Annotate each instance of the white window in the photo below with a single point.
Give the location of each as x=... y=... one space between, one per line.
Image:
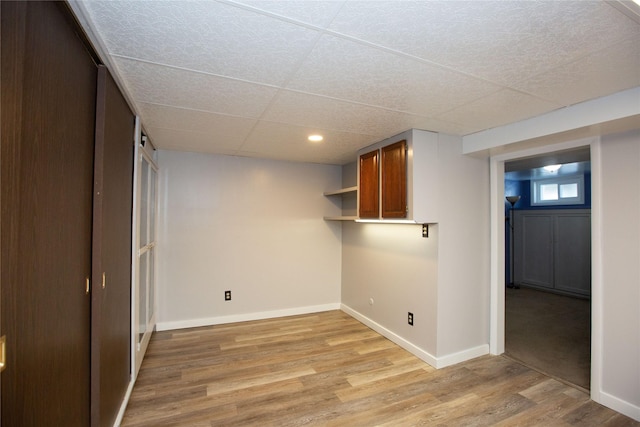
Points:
x=558 y=191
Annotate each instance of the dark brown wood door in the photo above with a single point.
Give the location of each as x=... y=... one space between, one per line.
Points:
x=394 y=180
x=369 y=185
x=113 y=202
x=48 y=113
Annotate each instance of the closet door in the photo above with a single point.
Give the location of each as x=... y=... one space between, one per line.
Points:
x=111 y=295
x=48 y=113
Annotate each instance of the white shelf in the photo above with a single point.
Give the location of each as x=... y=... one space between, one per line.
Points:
x=351 y=192
x=341 y=191
x=340 y=218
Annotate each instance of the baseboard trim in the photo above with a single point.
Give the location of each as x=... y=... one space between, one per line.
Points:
x=125 y=402
x=392 y=336
x=462 y=356
x=619 y=405
x=436 y=362
x=245 y=317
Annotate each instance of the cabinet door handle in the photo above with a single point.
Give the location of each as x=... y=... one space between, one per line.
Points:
x=3 y=352
x=87 y=286
x=104 y=280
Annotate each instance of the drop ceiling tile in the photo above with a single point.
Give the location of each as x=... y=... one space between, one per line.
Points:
x=165 y=117
x=205 y=36
x=501 y=41
x=291 y=142
x=302 y=157
x=327 y=113
x=317 y=13
x=378 y=78
x=500 y=108
x=607 y=71
x=184 y=140
x=180 y=88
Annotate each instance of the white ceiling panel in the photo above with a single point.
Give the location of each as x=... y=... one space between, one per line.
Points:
x=317 y=13
x=501 y=41
x=254 y=77
x=201 y=142
x=332 y=114
x=601 y=73
x=377 y=77
x=292 y=140
x=228 y=128
x=156 y=84
x=503 y=107
x=204 y=35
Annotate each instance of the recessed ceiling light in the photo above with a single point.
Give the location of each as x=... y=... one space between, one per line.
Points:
x=552 y=168
x=315 y=138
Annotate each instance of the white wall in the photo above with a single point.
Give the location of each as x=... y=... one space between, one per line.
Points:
x=443 y=280
x=398 y=268
x=615 y=361
x=463 y=252
x=620 y=165
x=251 y=226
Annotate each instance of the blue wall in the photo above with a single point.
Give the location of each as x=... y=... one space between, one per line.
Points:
x=523 y=189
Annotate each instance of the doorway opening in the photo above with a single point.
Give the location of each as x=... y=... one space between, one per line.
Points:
x=548 y=264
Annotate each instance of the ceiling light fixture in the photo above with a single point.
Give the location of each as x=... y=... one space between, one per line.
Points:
x=315 y=138
x=552 y=168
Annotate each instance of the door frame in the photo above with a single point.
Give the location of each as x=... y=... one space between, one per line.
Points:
x=497 y=270
x=139 y=347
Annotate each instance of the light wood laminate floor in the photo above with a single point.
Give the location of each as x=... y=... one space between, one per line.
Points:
x=327 y=369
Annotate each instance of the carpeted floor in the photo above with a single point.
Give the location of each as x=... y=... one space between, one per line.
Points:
x=550 y=333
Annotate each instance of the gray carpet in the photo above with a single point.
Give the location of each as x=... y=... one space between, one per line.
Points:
x=550 y=333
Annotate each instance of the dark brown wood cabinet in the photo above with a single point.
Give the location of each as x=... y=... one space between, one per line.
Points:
x=68 y=346
x=394 y=180
x=409 y=174
x=383 y=181
x=368 y=191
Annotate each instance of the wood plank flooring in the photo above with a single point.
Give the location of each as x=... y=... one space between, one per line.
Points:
x=327 y=369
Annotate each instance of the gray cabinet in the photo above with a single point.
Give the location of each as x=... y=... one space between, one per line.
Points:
x=552 y=250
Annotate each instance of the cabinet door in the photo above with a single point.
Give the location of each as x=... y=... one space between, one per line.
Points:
x=573 y=253
x=533 y=261
x=369 y=185
x=394 y=180
x=48 y=117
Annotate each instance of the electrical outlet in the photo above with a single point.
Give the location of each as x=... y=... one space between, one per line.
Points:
x=410 y=318
x=227 y=295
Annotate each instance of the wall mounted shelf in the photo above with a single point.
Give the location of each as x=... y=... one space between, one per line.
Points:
x=341 y=191
x=340 y=218
x=345 y=194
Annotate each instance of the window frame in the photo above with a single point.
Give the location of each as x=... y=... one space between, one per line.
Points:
x=573 y=179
